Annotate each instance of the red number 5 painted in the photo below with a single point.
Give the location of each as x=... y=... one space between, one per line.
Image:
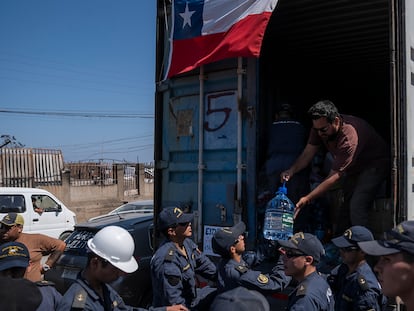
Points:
x=210 y=110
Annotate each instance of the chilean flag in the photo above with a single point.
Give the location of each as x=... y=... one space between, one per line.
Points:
x=206 y=31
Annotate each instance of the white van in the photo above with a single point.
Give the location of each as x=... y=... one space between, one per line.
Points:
x=41 y=210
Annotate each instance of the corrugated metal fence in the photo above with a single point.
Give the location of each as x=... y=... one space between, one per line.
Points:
x=28 y=167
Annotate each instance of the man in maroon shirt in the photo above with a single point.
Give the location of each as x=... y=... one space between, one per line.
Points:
x=360 y=161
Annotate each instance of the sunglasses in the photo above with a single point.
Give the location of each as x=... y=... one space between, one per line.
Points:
x=349 y=249
x=238 y=240
x=6 y=228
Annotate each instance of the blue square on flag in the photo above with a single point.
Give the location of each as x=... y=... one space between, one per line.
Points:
x=188 y=18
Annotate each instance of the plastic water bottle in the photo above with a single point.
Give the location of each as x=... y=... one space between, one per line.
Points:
x=278 y=218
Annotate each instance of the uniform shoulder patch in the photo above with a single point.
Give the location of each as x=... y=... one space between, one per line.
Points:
x=170 y=255
x=241 y=269
x=45 y=283
x=363 y=282
x=79 y=300
x=301 y=291
x=173 y=280
x=262 y=279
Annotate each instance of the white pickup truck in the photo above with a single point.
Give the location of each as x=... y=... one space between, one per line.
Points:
x=41 y=210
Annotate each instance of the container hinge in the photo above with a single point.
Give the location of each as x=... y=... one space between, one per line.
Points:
x=251 y=114
x=242 y=166
x=222 y=212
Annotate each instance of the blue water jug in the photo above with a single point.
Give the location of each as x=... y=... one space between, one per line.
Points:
x=278 y=218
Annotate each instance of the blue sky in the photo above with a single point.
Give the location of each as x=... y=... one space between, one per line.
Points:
x=91 y=58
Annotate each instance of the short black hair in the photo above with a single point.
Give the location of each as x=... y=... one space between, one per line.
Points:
x=323 y=108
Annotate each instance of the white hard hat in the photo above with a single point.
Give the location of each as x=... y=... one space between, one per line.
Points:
x=116 y=245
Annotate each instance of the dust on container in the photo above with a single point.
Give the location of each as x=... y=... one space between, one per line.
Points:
x=278 y=218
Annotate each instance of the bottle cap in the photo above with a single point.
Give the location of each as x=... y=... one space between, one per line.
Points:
x=283 y=188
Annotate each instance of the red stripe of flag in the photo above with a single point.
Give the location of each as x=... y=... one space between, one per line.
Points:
x=243 y=39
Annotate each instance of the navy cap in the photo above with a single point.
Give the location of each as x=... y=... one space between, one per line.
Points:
x=400 y=238
x=12 y=219
x=352 y=236
x=172 y=216
x=307 y=243
x=226 y=237
x=13 y=254
x=240 y=299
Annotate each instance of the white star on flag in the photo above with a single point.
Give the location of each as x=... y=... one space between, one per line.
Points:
x=187 y=16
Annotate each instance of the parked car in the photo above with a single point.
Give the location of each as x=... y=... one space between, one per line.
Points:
x=146 y=206
x=135 y=288
x=42 y=211
x=143 y=206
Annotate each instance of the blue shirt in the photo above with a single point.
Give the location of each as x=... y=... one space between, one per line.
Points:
x=80 y=296
x=359 y=290
x=312 y=294
x=50 y=296
x=232 y=274
x=174 y=274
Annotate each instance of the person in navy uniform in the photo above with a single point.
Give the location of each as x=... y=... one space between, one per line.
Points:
x=353 y=282
x=287 y=138
x=395 y=266
x=177 y=261
x=301 y=253
x=110 y=256
x=15 y=262
x=233 y=271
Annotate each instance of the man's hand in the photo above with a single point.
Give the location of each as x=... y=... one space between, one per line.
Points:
x=301 y=203
x=177 y=308
x=286 y=175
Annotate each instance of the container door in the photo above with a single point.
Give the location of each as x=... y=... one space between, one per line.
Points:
x=182 y=129
x=409 y=102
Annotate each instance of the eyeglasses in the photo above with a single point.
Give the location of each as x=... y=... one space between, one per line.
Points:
x=241 y=237
x=349 y=249
x=322 y=129
x=290 y=254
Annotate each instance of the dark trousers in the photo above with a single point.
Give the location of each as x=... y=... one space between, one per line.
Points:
x=360 y=191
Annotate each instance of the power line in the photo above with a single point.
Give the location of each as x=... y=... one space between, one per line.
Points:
x=81 y=114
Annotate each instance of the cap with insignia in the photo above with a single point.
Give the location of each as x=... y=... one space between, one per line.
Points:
x=400 y=238
x=307 y=243
x=226 y=237
x=171 y=216
x=13 y=254
x=12 y=219
x=352 y=236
